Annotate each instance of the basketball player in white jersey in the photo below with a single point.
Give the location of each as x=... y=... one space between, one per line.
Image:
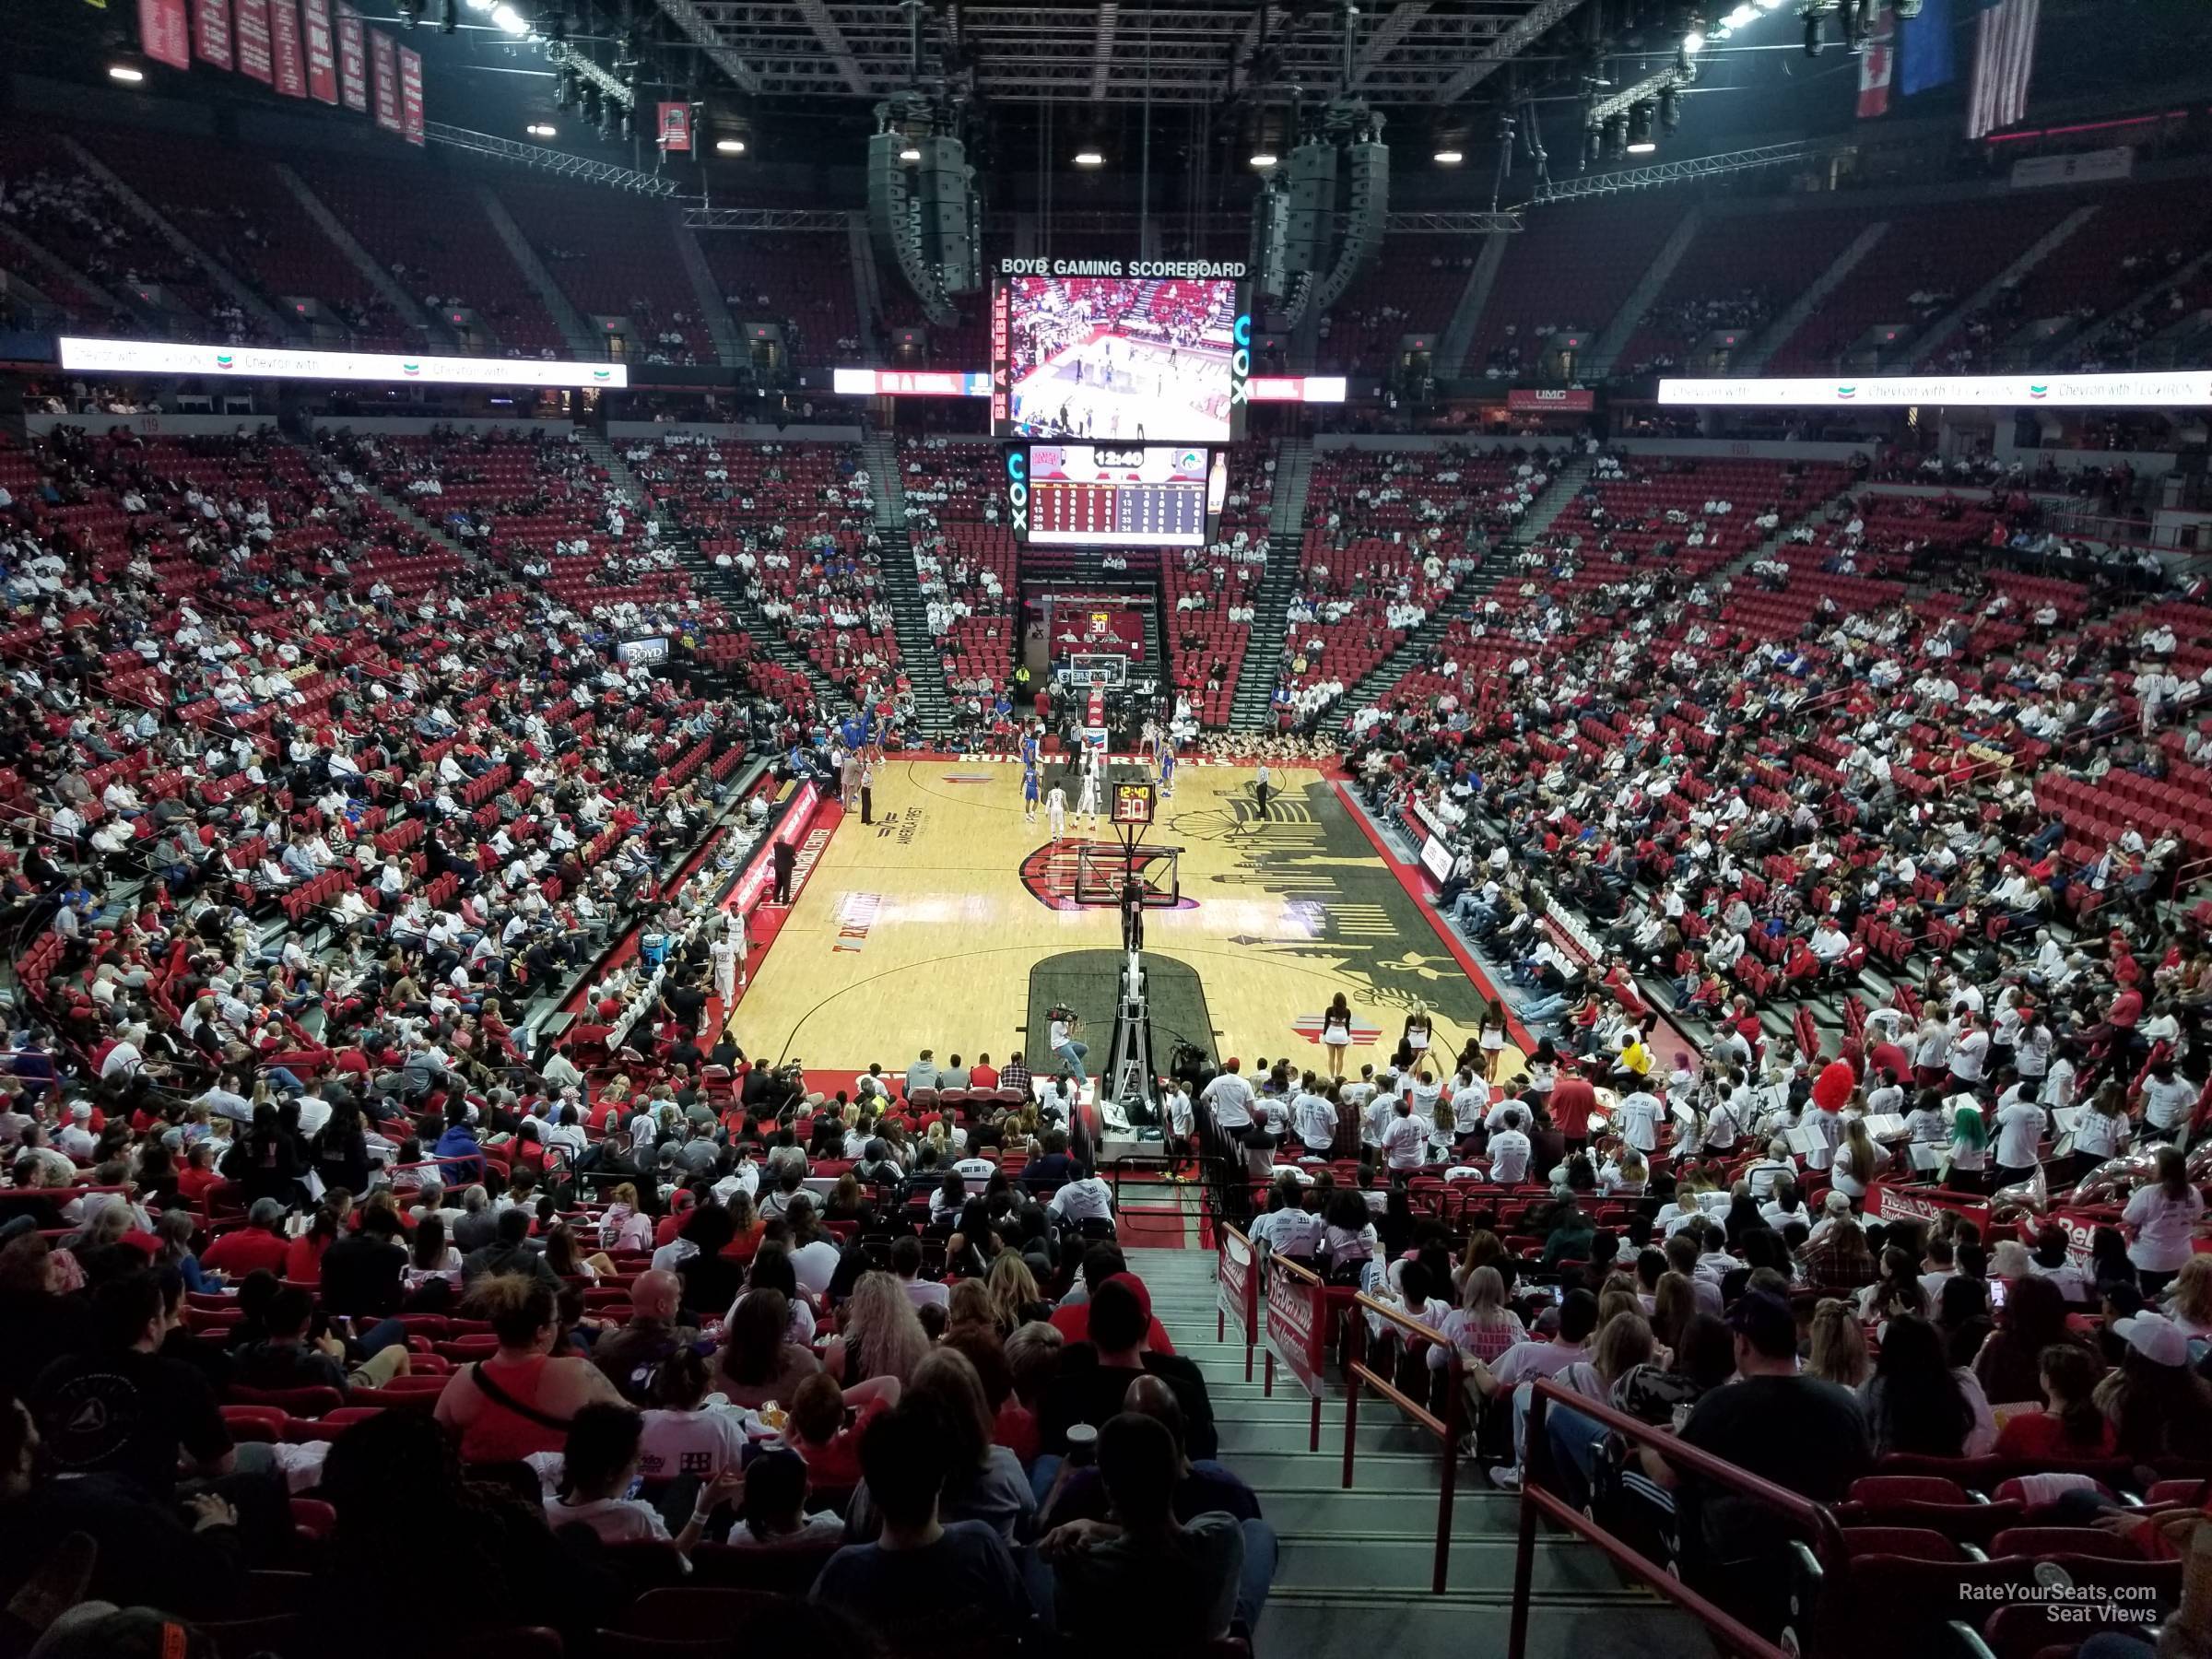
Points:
x=1087 y=802
x=722 y=954
x=1055 y=812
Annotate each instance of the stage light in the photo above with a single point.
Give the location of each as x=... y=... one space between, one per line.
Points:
x=1742 y=16
x=508 y=18
x=1617 y=135
x=1265 y=159
x=1694 y=42
x=1449 y=157
x=449 y=17
x=126 y=74
x=1089 y=158
x=730 y=147
x=910 y=153
x=538 y=129
x=1670 y=109
x=1640 y=129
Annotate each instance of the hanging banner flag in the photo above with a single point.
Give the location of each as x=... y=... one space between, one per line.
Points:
x=675 y=126
x=353 y=61
x=2004 y=59
x=384 y=65
x=255 y=55
x=283 y=48
x=165 y=33
x=211 y=32
x=1876 y=64
x=321 y=51
x=410 y=95
x=1925 y=41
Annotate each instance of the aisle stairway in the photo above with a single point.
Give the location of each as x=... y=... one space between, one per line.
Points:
x=1249 y=708
x=918 y=653
x=1353 y=1577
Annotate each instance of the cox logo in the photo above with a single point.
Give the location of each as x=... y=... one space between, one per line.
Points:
x=1017 y=489
x=1240 y=361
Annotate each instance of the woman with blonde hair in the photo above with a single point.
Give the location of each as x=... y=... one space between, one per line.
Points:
x=1014 y=1299
x=970 y=1306
x=933 y=1135
x=624 y=1227
x=1484 y=1250
x=1858 y=1160
x=1482 y=1326
x=2191 y=1297
x=1839 y=1348
x=881 y=1335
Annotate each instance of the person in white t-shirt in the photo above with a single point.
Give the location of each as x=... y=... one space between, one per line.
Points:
x=1405 y=1138
x=1969 y=1057
x=603 y=1455
x=680 y=1437
x=2166 y=1100
x=2160 y=1221
x=2020 y=1124
x=1637 y=1117
x=1089 y=1199
x=1510 y=1148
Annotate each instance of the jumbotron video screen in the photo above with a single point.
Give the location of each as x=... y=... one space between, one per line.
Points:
x=1135 y=359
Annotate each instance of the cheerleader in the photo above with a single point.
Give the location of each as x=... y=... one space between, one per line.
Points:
x=1337 y=1034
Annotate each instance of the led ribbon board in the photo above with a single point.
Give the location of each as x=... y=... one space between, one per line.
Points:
x=273 y=362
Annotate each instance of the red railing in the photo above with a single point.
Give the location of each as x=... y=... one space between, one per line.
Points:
x=1540 y=1498
x=1298 y=1334
x=1359 y=1377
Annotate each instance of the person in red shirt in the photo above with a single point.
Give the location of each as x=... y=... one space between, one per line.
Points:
x=1102 y=1263
x=983 y=1074
x=2071 y=1424
x=1573 y=1101
x=248 y=1249
x=821 y=1436
x=199 y=1173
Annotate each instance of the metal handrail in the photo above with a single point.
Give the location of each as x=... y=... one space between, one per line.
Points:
x=1359 y=1376
x=1540 y=1498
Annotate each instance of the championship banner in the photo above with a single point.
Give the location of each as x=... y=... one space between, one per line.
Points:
x=410 y=95
x=353 y=60
x=675 y=126
x=1538 y=400
x=165 y=33
x=211 y=32
x=250 y=18
x=284 y=49
x=384 y=65
x=321 y=51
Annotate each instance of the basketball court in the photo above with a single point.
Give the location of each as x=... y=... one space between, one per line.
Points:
x=951 y=923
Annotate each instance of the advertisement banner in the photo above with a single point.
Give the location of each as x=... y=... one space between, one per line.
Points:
x=675 y=126
x=384 y=72
x=1296 y=1323
x=1236 y=1293
x=1885 y=1201
x=250 y=20
x=2090 y=167
x=1296 y=388
x=273 y=362
x=2151 y=390
x=1538 y=400
x=410 y=95
x=353 y=61
x=165 y=33
x=290 y=63
x=211 y=32
x=321 y=51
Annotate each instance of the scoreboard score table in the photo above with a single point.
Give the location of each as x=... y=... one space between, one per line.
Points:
x=1087 y=495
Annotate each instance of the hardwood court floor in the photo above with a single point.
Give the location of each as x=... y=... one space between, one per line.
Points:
x=921 y=928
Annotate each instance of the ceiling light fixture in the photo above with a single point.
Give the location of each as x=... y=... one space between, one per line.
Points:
x=1265 y=157
x=1089 y=158
x=1449 y=157
x=126 y=74
x=730 y=147
x=909 y=154
x=538 y=129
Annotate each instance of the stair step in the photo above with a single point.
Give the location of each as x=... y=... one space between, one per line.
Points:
x=1353 y=1624
x=1328 y=1560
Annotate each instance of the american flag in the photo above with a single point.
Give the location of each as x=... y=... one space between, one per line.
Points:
x=2004 y=58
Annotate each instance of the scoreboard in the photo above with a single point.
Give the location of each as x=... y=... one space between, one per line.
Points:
x=1134 y=495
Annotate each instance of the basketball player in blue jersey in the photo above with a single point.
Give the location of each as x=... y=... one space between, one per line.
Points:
x=1028 y=794
x=1167 y=769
